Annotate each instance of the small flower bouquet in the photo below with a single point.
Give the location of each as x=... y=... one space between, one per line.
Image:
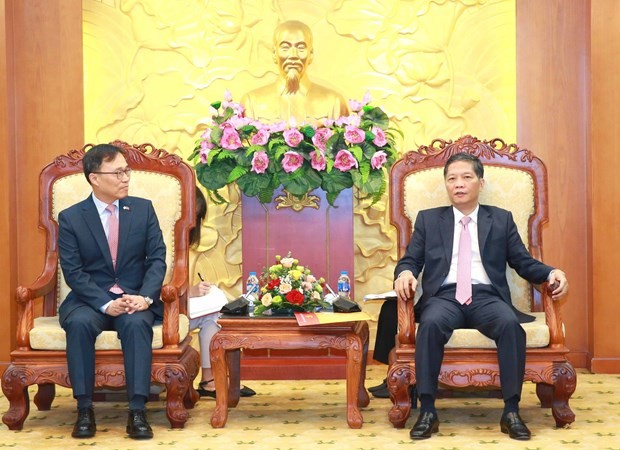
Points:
x=288 y=287
x=355 y=150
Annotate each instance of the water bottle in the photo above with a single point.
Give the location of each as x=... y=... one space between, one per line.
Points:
x=344 y=284
x=251 y=291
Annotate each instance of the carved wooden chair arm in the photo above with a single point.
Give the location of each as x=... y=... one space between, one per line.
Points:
x=553 y=317
x=25 y=296
x=171 y=295
x=406 y=323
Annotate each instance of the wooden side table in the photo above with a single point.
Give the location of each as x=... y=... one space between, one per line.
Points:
x=283 y=333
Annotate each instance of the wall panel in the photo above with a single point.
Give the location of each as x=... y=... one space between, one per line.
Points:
x=552 y=121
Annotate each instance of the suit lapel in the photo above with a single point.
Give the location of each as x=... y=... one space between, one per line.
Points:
x=125 y=221
x=93 y=222
x=484 y=226
x=446 y=231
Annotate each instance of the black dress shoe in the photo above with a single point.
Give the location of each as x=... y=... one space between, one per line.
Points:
x=204 y=392
x=137 y=426
x=85 y=426
x=512 y=424
x=381 y=392
x=425 y=426
x=383 y=385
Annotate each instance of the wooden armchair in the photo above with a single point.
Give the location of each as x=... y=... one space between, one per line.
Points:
x=40 y=354
x=515 y=180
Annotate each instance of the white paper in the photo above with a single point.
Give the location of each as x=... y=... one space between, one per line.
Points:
x=384 y=296
x=207 y=304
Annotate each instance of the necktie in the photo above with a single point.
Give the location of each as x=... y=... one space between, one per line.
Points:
x=463 y=268
x=113 y=242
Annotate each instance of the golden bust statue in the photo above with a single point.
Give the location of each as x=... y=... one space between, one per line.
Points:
x=293 y=94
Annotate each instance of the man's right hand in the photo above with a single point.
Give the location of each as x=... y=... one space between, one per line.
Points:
x=405 y=285
x=116 y=307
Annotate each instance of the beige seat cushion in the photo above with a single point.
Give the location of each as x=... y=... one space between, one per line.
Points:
x=537 y=335
x=48 y=335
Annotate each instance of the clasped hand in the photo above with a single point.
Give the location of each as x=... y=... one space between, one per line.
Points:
x=127 y=304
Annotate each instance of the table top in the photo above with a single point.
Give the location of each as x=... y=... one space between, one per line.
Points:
x=283 y=323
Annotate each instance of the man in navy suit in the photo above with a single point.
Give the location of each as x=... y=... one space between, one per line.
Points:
x=113 y=287
x=494 y=242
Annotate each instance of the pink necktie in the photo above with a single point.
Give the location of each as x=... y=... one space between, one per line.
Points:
x=113 y=242
x=463 y=268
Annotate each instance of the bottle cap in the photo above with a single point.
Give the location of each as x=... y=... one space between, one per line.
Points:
x=252 y=273
x=344 y=272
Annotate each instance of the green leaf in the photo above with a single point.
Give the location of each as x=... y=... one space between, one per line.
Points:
x=377 y=117
x=356 y=151
x=336 y=181
x=216 y=105
x=252 y=183
x=276 y=141
x=216 y=134
x=214 y=176
x=236 y=173
x=308 y=131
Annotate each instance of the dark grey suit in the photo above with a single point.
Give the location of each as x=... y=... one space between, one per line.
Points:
x=88 y=270
x=491 y=311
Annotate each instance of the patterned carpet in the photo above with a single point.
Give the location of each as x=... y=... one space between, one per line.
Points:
x=311 y=415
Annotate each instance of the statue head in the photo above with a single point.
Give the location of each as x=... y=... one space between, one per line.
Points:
x=292 y=52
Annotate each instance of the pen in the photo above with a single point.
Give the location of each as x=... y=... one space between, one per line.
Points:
x=200 y=276
x=330 y=290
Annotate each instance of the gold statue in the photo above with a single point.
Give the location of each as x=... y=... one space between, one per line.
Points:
x=293 y=94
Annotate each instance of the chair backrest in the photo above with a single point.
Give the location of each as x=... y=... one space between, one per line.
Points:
x=163 y=178
x=516 y=180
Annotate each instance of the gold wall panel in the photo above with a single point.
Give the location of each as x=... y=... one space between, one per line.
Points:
x=439 y=68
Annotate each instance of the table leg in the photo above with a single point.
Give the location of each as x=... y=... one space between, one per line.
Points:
x=233 y=359
x=363 y=399
x=355 y=357
x=220 y=377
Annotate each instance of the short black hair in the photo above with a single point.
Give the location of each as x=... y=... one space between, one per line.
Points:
x=96 y=156
x=467 y=157
x=201 y=212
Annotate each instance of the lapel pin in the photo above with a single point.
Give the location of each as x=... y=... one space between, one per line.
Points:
x=126 y=208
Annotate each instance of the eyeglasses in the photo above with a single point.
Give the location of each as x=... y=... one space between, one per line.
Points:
x=119 y=173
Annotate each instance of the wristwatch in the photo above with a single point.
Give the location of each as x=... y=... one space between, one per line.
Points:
x=148 y=300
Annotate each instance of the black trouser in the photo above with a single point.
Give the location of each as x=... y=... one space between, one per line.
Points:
x=442 y=314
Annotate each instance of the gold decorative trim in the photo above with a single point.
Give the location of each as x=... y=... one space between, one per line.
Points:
x=297 y=203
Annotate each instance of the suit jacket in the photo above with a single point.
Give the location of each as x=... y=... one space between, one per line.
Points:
x=431 y=245
x=87 y=263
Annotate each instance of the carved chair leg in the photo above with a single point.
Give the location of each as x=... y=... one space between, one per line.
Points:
x=177 y=385
x=45 y=396
x=398 y=380
x=15 y=389
x=565 y=381
x=544 y=392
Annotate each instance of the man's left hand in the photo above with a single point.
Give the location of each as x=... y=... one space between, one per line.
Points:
x=558 y=279
x=134 y=303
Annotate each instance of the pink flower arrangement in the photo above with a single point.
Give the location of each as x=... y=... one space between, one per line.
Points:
x=351 y=151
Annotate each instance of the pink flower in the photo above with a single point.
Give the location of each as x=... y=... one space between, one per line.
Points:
x=206 y=144
x=293 y=137
x=261 y=137
x=206 y=134
x=354 y=135
x=230 y=139
x=287 y=262
x=378 y=159
x=345 y=161
x=204 y=155
x=321 y=136
x=355 y=105
x=379 y=139
x=277 y=127
x=260 y=162
x=317 y=160
x=292 y=161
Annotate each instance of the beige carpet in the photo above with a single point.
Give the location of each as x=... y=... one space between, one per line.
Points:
x=311 y=415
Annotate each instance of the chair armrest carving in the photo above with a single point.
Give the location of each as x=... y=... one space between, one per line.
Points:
x=406 y=323
x=25 y=296
x=553 y=318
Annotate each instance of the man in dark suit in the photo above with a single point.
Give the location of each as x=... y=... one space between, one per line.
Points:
x=112 y=256
x=490 y=240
